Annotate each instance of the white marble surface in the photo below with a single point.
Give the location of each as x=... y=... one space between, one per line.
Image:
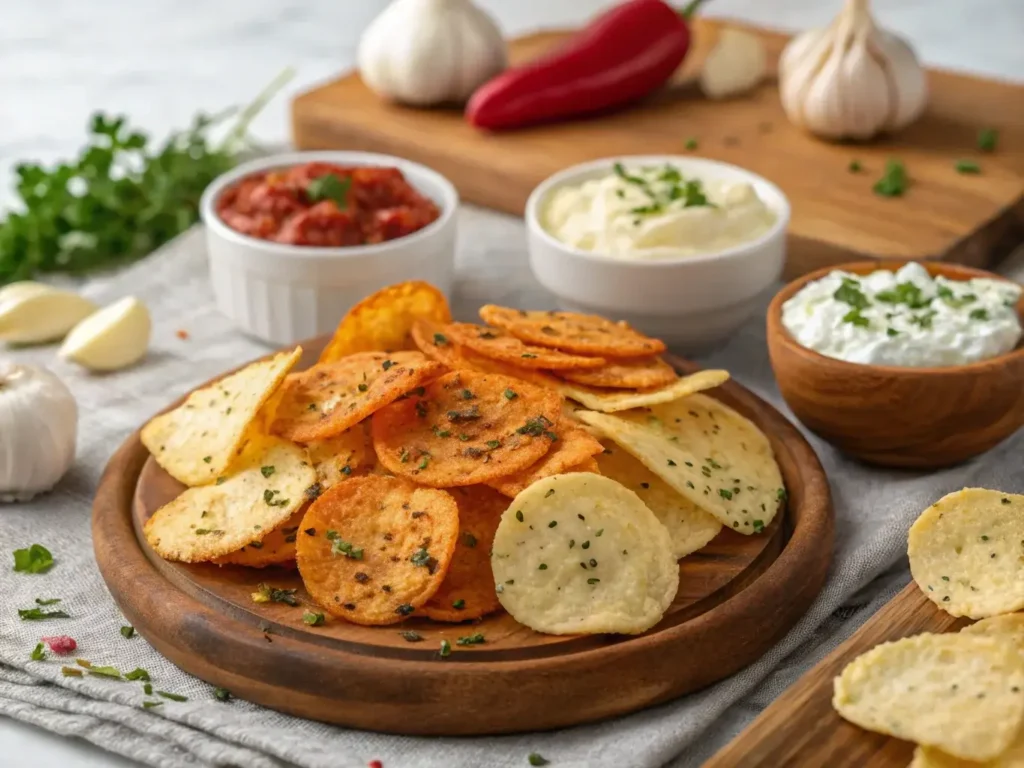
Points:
x=160 y=61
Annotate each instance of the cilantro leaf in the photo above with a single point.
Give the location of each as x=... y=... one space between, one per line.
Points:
x=894 y=181
x=330 y=186
x=34 y=559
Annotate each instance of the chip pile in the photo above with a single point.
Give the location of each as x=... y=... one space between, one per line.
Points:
x=958 y=696
x=549 y=464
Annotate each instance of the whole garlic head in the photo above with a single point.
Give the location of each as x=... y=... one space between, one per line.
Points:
x=425 y=52
x=38 y=428
x=852 y=79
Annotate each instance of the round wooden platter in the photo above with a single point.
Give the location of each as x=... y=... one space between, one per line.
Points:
x=736 y=598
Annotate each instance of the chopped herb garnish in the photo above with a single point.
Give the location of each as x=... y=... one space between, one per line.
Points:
x=855 y=166
x=362 y=387
x=49 y=601
x=441 y=432
x=725 y=493
x=552 y=524
x=967 y=166
x=314 y=491
x=411 y=637
x=854 y=317
x=421 y=557
x=593 y=581
x=894 y=181
x=1004 y=500
x=34 y=559
x=671 y=463
x=510 y=394
x=424 y=461
x=849 y=293
x=550 y=493
x=528 y=356
x=268 y=594
x=313 y=618
x=38 y=654
x=987 y=139
x=536 y=759
x=222 y=694
x=387 y=364
x=758 y=526
x=891 y=332
x=470 y=414
x=905 y=293
x=70 y=672
x=440 y=339
x=207 y=459
x=36 y=614
x=446 y=649
x=329 y=186
x=152 y=704
x=137 y=674
x=620 y=171
x=492 y=444
x=691 y=144
x=979 y=314
x=128 y=632
x=542 y=567
x=267 y=471
x=459 y=604
x=476 y=639
x=404 y=609
x=171 y=696
x=519 y=515
x=469 y=539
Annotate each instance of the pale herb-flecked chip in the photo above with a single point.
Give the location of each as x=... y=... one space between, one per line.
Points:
x=958 y=693
x=966 y=552
x=579 y=553
x=927 y=757
x=212 y=520
x=197 y=441
x=613 y=401
x=708 y=452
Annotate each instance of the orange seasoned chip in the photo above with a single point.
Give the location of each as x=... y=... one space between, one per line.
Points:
x=382 y=321
x=466 y=428
x=590 y=465
x=467 y=592
x=328 y=398
x=572 y=332
x=574 y=446
x=374 y=549
x=431 y=340
x=337 y=458
x=276 y=548
x=497 y=344
x=626 y=373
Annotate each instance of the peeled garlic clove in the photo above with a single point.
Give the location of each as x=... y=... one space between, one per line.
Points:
x=114 y=337
x=35 y=316
x=16 y=291
x=735 y=65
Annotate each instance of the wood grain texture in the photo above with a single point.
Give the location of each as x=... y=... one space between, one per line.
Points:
x=737 y=598
x=801 y=728
x=899 y=417
x=975 y=220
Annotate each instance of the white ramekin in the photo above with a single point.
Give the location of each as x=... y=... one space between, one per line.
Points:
x=692 y=302
x=286 y=293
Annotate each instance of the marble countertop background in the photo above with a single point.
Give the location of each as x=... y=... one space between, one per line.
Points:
x=161 y=61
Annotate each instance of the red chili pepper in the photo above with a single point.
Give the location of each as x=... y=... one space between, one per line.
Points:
x=621 y=56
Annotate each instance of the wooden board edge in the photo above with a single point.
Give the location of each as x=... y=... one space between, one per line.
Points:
x=801 y=728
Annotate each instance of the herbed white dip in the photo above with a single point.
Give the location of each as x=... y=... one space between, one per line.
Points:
x=905 y=318
x=653 y=212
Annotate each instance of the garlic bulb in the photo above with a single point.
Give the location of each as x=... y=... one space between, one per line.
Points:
x=38 y=427
x=425 y=52
x=735 y=65
x=32 y=313
x=852 y=79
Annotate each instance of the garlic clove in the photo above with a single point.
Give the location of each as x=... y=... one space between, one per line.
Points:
x=16 y=291
x=735 y=65
x=36 y=316
x=861 y=74
x=112 y=338
x=813 y=48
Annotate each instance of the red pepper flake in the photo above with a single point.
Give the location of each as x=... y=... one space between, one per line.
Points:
x=375 y=764
x=60 y=643
x=182 y=334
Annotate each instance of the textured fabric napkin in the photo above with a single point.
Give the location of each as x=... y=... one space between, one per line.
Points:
x=874 y=509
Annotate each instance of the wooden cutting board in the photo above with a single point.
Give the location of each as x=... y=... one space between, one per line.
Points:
x=974 y=220
x=737 y=598
x=801 y=728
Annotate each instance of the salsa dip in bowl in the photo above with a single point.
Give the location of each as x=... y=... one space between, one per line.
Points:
x=296 y=239
x=679 y=247
x=902 y=364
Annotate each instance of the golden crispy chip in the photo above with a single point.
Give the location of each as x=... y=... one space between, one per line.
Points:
x=381 y=322
x=590 y=465
x=965 y=552
x=1009 y=626
x=613 y=401
x=574 y=446
x=627 y=373
x=497 y=344
x=327 y=399
x=572 y=332
x=374 y=549
x=578 y=553
x=709 y=453
x=266 y=487
x=689 y=527
x=958 y=693
x=337 y=458
x=467 y=592
x=197 y=441
x=433 y=342
x=276 y=548
x=466 y=428
x=927 y=757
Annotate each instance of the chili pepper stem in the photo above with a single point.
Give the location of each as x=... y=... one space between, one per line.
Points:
x=690 y=8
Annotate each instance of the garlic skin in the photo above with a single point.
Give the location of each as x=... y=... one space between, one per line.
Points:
x=428 y=52
x=38 y=429
x=736 y=64
x=852 y=79
x=36 y=314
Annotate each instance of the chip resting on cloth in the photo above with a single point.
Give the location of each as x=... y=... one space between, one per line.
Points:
x=961 y=694
x=613 y=401
x=374 y=549
x=467 y=591
x=578 y=553
x=572 y=332
x=966 y=552
x=707 y=452
x=689 y=527
x=327 y=399
x=466 y=428
x=383 y=320
x=570 y=451
x=197 y=441
x=266 y=486
x=497 y=344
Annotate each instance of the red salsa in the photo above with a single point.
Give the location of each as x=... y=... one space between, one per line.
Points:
x=323 y=204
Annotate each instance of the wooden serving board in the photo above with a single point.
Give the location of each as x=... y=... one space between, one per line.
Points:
x=737 y=597
x=801 y=728
x=974 y=220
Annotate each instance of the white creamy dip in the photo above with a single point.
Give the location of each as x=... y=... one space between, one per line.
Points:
x=653 y=212
x=905 y=318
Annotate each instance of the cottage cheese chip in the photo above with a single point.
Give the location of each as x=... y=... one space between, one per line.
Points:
x=579 y=553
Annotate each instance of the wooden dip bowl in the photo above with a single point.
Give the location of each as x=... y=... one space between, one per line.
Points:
x=895 y=416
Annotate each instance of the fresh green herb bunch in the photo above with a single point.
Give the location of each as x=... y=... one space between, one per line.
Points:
x=121 y=199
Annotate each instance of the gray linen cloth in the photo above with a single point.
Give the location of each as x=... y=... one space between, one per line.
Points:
x=874 y=508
